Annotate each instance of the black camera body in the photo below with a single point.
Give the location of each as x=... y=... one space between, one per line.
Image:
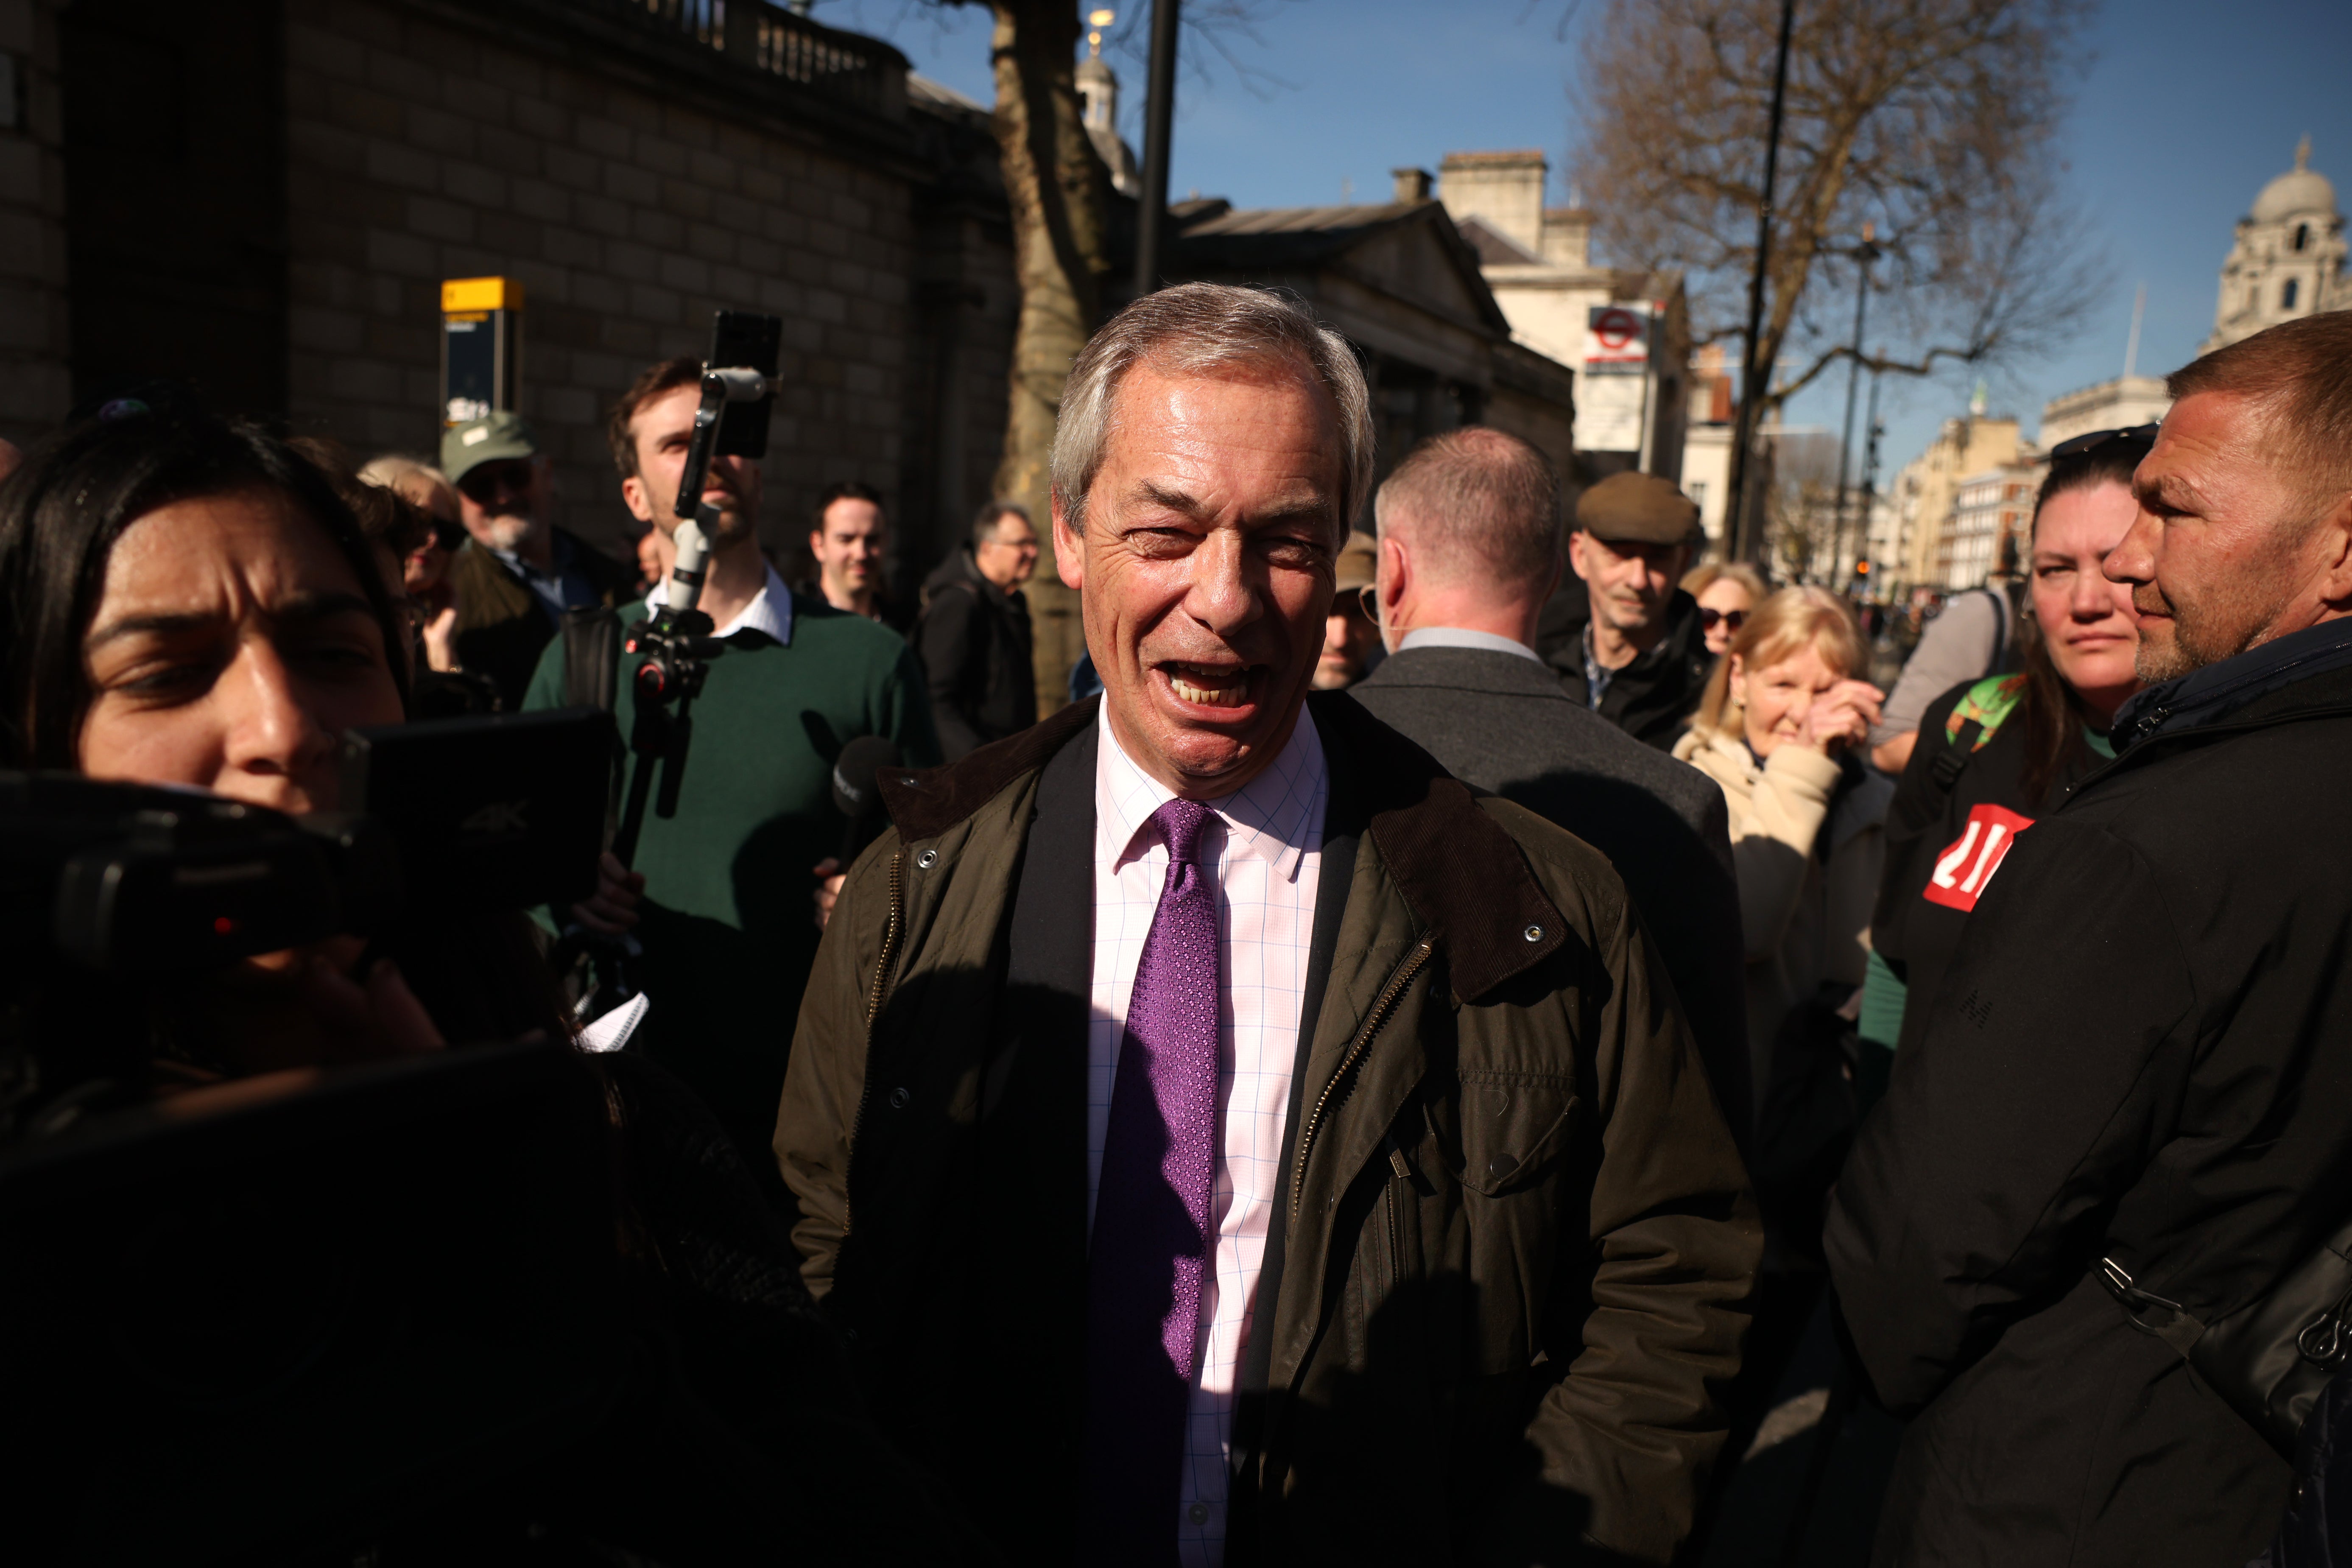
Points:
x=116 y=898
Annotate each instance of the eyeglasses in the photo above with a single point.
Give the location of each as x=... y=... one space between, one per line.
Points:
x=2143 y=434
x=1709 y=619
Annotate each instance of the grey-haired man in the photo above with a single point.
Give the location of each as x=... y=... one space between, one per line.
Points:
x=1227 y=1138
x=518 y=573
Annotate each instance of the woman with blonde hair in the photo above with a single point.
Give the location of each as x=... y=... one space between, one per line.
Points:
x=1779 y=731
x=1728 y=593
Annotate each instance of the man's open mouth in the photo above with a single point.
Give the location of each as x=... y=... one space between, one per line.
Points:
x=1209 y=685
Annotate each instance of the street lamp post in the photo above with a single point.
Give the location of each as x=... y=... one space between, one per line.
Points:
x=1755 y=371
x=1863 y=254
x=1158 y=111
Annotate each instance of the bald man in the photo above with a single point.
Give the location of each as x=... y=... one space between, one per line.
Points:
x=1468 y=554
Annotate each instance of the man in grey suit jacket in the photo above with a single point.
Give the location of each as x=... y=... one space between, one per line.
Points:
x=1469 y=552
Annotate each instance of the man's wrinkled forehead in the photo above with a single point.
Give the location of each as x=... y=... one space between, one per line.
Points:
x=1187 y=414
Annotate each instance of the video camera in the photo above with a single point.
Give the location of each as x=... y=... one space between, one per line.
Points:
x=114 y=896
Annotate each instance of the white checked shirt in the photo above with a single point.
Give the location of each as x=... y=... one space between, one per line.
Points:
x=1265 y=842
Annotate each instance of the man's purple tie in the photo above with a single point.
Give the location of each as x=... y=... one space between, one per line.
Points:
x=1151 y=1237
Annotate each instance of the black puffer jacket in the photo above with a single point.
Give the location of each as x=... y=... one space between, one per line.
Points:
x=2142 y=1050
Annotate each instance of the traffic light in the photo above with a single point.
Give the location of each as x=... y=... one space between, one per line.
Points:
x=1862 y=568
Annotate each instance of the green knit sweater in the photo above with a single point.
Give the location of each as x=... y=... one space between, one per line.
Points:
x=728 y=928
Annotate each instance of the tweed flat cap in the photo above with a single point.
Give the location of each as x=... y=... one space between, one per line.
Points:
x=1637 y=508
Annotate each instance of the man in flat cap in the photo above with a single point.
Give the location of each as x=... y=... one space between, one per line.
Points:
x=1351 y=643
x=1629 y=645
x=518 y=573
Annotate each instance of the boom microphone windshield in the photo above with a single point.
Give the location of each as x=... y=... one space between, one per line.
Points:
x=855 y=795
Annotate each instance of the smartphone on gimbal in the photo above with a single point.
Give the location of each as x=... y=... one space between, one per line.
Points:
x=741 y=339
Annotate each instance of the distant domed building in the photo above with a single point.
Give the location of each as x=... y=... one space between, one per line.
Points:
x=2289 y=257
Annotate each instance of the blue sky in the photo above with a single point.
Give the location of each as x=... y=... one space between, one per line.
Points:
x=2183 y=110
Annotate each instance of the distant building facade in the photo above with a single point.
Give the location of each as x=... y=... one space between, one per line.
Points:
x=1400 y=283
x=2116 y=405
x=1991 y=515
x=1625 y=332
x=1921 y=542
x=2288 y=260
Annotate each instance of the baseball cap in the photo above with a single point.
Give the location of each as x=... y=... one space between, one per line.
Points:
x=1637 y=508
x=491 y=439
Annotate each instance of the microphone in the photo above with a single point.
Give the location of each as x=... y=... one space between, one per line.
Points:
x=856 y=794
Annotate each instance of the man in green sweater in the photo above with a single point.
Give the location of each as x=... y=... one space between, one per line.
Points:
x=721 y=896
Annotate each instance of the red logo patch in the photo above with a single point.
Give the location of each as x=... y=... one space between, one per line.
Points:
x=1964 y=868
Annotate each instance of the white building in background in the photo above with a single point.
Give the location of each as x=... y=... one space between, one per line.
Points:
x=1707 y=443
x=2288 y=260
x=1625 y=332
x=2116 y=405
x=1098 y=110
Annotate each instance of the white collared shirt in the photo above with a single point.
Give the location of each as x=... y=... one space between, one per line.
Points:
x=1462 y=637
x=1266 y=844
x=771 y=612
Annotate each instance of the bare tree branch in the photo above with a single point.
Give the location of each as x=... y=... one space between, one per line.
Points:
x=1933 y=119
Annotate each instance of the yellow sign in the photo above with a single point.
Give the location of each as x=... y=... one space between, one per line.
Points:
x=480 y=294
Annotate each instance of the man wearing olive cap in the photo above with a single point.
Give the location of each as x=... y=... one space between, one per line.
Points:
x=518 y=573
x=1351 y=643
x=1626 y=642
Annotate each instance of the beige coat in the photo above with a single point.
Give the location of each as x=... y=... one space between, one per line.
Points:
x=1805 y=919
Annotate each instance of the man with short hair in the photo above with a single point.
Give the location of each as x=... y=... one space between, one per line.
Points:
x=1223 y=1136
x=973 y=637
x=519 y=573
x=850 y=545
x=719 y=899
x=1468 y=555
x=1626 y=641
x=2131 y=1114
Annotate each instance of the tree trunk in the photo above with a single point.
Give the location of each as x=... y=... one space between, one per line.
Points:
x=1059 y=194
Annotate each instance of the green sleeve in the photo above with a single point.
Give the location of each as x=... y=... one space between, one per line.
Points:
x=547 y=681
x=907 y=703
x=1883 y=997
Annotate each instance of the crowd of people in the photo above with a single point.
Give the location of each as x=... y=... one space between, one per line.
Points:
x=1394 y=1075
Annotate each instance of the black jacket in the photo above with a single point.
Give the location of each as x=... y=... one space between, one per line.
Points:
x=502 y=626
x=1650 y=698
x=973 y=640
x=2142 y=1050
x=1502 y=723
x=1953 y=820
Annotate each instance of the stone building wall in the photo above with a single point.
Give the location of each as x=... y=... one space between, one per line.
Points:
x=427 y=143
x=632 y=177
x=35 y=381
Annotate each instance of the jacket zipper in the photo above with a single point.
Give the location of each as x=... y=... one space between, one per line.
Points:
x=1405 y=971
x=874 y=1010
x=1396 y=1213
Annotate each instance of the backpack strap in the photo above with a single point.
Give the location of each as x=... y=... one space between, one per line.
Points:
x=1975 y=718
x=592 y=658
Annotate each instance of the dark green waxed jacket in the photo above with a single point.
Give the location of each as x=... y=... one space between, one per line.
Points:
x=1511 y=1260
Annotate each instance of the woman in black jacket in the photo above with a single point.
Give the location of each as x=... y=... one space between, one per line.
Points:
x=1995 y=754
x=192 y=604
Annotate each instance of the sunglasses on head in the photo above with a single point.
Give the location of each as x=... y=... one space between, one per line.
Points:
x=1709 y=619
x=2143 y=434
